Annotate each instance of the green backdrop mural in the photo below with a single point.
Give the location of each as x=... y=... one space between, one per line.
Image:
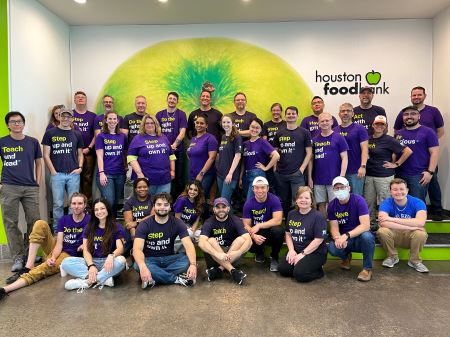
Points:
x=184 y=65
x=4 y=91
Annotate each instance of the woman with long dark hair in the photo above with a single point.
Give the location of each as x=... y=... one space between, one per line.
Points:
x=102 y=251
x=228 y=159
x=189 y=207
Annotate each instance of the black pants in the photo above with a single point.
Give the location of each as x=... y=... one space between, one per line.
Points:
x=274 y=238
x=307 y=269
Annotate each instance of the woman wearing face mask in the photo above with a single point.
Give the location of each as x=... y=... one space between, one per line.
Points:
x=259 y=156
x=306 y=229
x=111 y=146
x=385 y=155
x=228 y=159
x=102 y=251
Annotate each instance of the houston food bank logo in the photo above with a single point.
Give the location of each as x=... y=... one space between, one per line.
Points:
x=350 y=84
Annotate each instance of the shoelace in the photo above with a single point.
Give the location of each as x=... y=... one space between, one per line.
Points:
x=83 y=288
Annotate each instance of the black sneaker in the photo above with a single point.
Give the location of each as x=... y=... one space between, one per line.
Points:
x=3 y=293
x=183 y=280
x=238 y=275
x=16 y=276
x=213 y=273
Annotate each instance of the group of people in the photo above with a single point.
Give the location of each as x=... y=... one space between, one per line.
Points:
x=231 y=156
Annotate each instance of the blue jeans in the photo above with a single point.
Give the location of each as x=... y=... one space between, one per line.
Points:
x=249 y=176
x=364 y=243
x=156 y=189
x=415 y=188
x=288 y=185
x=113 y=191
x=356 y=183
x=62 y=182
x=164 y=269
x=434 y=193
x=226 y=190
x=77 y=267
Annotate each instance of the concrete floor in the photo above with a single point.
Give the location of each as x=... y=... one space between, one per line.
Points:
x=397 y=302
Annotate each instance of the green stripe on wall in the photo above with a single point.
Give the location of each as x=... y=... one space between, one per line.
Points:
x=4 y=82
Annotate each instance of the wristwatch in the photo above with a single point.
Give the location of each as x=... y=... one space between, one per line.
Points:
x=430 y=172
x=348 y=235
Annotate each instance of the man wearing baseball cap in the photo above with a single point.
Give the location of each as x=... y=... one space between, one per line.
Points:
x=366 y=112
x=262 y=216
x=224 y=240
x=350 y=228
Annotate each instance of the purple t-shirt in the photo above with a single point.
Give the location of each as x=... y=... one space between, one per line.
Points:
x=159 y=238
x=311 y=123
x=365 y=117
x=327 y=157
x=86 y=124
x=153 y=154
x=291 y=145
x=225 y=156
x=72 y=233
x=257 y=151
x=429 y=116
x=98 y=238
x=259 y=212
x=132 y=123
x=419 y=140
x=225 y=232
x=139 y=209
x=64 y=145
x=304 y=228
x=171 y=123
x=354 y=135
x=197 y=152
x=100 y=119
x=270 y=128
x=114 y=147
x=52 y=126
x=188 y=213
x=347 y=215
x=18 y=157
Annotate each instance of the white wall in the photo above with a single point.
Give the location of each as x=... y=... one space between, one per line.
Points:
x=441 y=97
x=39 y=66
x=327 y=46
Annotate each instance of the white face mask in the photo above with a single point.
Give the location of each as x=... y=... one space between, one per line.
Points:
x=342 y=194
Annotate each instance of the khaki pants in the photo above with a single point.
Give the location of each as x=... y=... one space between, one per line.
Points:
x=392 y=238
x=42 y=235
x=376 y=189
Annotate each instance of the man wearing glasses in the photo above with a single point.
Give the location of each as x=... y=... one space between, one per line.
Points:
x=350 y=228
x=22 y=171
x=64 y=159
x=419 y=168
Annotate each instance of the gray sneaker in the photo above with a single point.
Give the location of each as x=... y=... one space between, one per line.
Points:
x=390 y=261
x=18 y=265
x=273 y=265
x=419 y=266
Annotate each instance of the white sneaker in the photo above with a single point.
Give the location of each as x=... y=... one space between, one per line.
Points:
x=62 y=271
x=419 y=266
x=390 y=261
x=77 y=283
x=109 y=283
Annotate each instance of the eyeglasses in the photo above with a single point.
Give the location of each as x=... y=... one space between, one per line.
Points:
x=17 y=122
x=346 y=110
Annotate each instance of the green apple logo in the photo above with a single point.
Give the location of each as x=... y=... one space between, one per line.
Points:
x=184 y=65
x=373 y=77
